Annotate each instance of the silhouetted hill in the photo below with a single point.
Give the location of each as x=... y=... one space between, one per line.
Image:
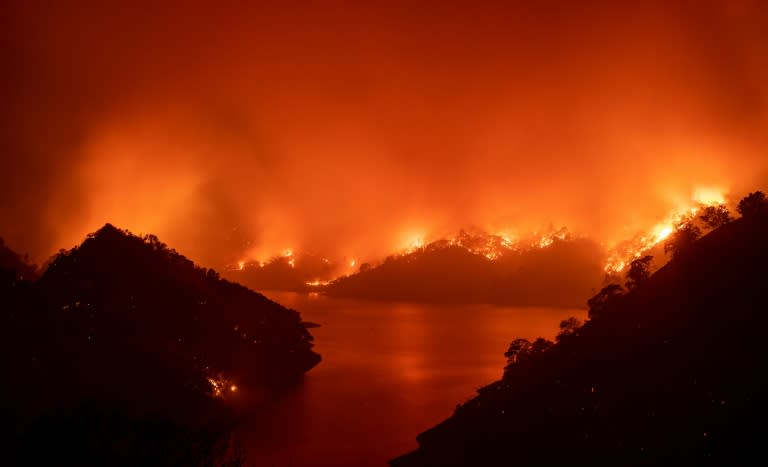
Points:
x=289 y=273
x=564 y=273
x=122 y=351
x=672 y=373
x=13 y=267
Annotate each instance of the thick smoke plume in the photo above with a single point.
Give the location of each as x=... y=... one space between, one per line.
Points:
x=350 y=128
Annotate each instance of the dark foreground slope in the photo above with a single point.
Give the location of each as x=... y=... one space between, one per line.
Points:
x=13 y=267
x=564 y=273
x=673 y=373
x=124 y=352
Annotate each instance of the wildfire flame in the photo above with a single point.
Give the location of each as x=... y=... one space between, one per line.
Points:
x=414 y=242
x=495 y=246
x=620 y=257
x=317 y=283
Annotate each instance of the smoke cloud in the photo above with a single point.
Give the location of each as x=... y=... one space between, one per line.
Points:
x=349 y=128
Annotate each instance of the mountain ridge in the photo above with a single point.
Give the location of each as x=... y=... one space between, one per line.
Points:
x=668 y=373
x=142 y=353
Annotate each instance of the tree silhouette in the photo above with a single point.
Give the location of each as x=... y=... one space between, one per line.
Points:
x=753 y=203
x=604 y=300
x=523 y=351
x=639 y=271
x=540 y=345
x=715 y=216
x=517 y=348
x=681 y=240
x=642 y=384
x=568 y=327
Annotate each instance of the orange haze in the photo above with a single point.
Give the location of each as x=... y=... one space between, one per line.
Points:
x=352 y=129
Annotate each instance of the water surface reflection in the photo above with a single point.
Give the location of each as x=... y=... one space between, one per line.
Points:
x=389 y=371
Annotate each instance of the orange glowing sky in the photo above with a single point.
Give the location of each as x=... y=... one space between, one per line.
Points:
x=353 y=128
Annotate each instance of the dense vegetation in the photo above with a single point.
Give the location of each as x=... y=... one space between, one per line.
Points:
x=668 y=372
x=563 y=273
x=124 y=352
x=289 y=273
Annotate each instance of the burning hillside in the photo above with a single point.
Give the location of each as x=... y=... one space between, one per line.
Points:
x=475 y=265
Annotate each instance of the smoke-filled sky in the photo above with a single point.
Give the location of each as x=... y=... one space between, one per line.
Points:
x=346 y=128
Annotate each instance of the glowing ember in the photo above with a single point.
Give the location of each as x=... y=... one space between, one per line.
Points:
x=217 y=386
x=545 y=242
x=220 y=386
x=507 y=241
x=317 y=283
x=240 y=265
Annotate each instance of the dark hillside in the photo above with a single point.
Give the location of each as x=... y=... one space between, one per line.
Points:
x=562 y=274
x=672 y=373
x=125 y=350
x=13 y=267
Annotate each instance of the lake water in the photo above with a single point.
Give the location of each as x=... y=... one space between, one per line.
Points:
x=389 y=372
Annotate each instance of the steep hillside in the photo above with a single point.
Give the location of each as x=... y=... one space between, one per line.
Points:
x=672 y=373
x=122 y=333
x=13 y=267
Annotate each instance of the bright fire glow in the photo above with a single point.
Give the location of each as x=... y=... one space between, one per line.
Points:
x=620 y=257
x=507 y=240
x=664 y=232
x=414 y=242
x=709 y=196
x=248 y=162
x=495 y=246
x=317 y=283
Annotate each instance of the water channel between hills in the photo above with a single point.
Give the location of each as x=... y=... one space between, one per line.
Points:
x=389 y=371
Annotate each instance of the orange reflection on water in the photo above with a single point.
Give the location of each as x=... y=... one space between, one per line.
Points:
x=390 y=370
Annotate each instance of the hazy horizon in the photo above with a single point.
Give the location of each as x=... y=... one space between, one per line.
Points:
x=349 y=130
